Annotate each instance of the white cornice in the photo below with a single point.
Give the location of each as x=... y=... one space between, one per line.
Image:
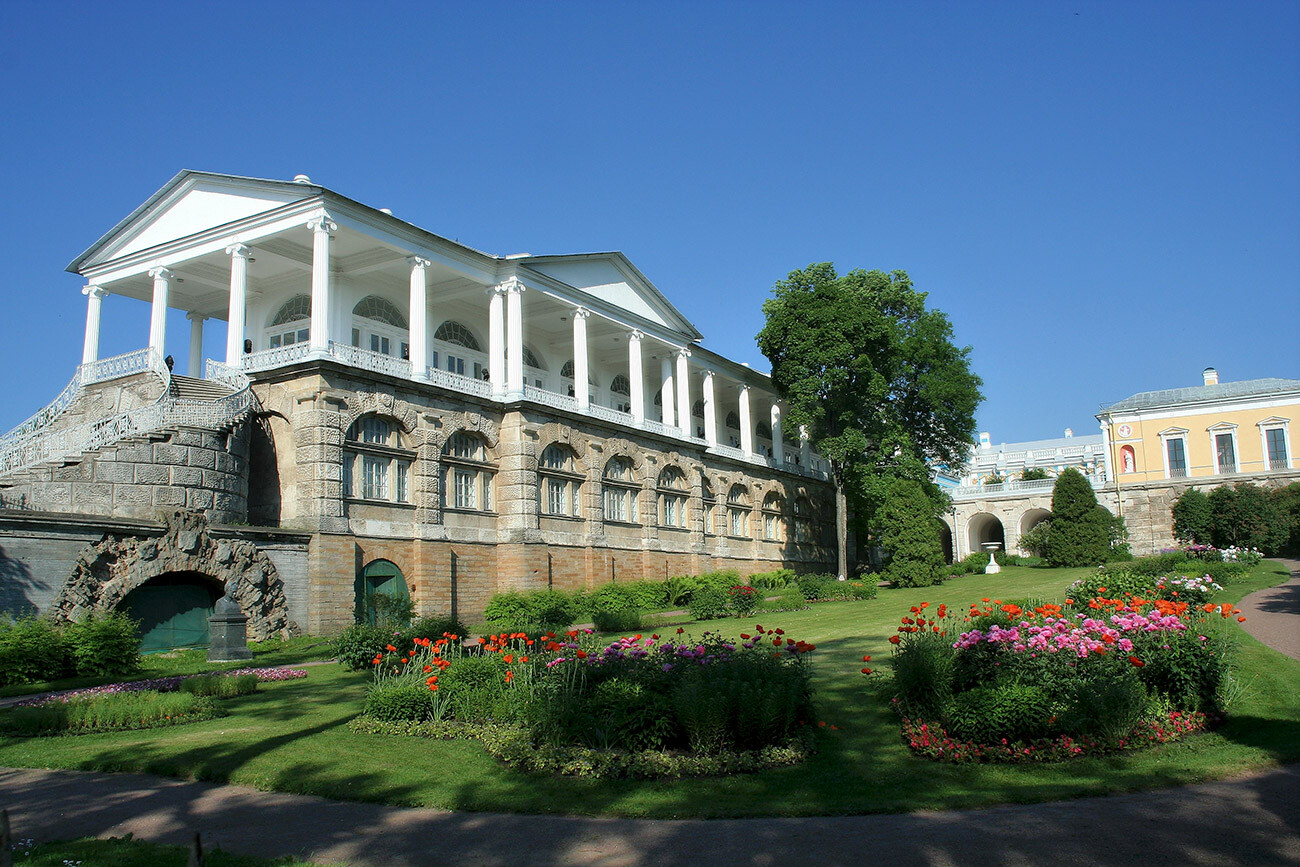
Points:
x=1222 y=405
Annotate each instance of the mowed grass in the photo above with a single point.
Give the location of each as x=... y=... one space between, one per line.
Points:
x=292 y=736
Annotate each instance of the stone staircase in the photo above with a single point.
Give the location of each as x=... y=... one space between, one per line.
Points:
x=189 y=388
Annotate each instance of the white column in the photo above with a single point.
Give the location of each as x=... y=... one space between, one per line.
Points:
x=235 y=315
x=497 y=341
x=515 y=337
x=1105 y=444
x=196 y=344
x=418 y=316
x=158 y=314
x=778 y=442
x=710 y=410
x=683 y=384
x=746 y=425
x=580 y=373
x=805 y=447
x=666 y=394
x=94 y=303
x=320 y=283
x=636 y=376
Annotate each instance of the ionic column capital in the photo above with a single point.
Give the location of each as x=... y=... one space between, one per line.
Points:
x=581 y=313
x=161 y=273
x=684 y=352
x=636 y=335
x=196 y=317
x=417 y=262
x=91 y=289
x=322 y=223
x=512 y=285
x=243 y=251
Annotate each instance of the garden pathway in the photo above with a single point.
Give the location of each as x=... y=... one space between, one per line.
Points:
x=1273 y=614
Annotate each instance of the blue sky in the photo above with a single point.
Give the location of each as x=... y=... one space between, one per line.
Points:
x=1104 y=197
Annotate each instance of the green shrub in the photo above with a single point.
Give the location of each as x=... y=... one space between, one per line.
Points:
x=989 y=713
x=1111 y=584
x=512 y=611
x=721 y=579
x=475 y=687
x=1108 y=708
x=678 y=590
x=1191 y=674
x=399 y=701
x=814 y=587
x=923 y=674
x=103 y=645
x=751 y=702
x=32 y=649
x=220 y=685
x=1246 y=516
x=391 y=612
x=1034 y=474
x=1082 y=531
x=614 y=609
x=110 y=712
x=908 y=530
x=787 y=599
x=649 y=595
x=708 y=603
x=742 y=600
x=1287 y=502
x=863 y=590
x=1034 y=540
x=433 y=627
x=1192 y=517
x=772 y=580
x=357 y=645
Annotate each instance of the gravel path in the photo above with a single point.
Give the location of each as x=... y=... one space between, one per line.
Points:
x=1273 y=615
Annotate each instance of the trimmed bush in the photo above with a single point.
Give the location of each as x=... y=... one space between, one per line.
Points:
x=32 y=649
x=394 y=702
x=907 y=529
x=357 y=645
x=1081 y=531
x=787 y=599
x=1245 y=516
x=742 y=600
x=103 y=645
x=708 y=603
x=614 y=609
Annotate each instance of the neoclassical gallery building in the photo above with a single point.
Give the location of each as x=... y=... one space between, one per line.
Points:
x=392 y=412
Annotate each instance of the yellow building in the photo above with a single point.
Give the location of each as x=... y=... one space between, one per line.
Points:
x=1218 y=429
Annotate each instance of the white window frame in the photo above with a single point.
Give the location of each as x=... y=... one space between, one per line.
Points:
x=1276 y=423
x=467 y=480
x=376 y=468
x=1175 y=434
x=1216 y=431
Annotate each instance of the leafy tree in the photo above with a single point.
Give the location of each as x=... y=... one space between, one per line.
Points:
x=1081 y=530
x=1034 y=540
x=1034 y=474
x=1287 y=502
x=907 y=528
x=1192 y=517
x=873 y=376
x=1246 y=516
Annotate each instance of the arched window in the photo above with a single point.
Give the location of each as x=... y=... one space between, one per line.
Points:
x=672 y=498
x=733 y=421
x=803 y=520
x=453 y=334
x=380 y=310
x=531 y=360
x=456 y=334
x=773 y=518
x=710 y=506
x=620 y=385
x=376 y=461
x=290 y=324
x=659 y=397
x=379 y=326
x=619 y=491
x=561 y=484
x=467 y=473
x=763 y=431
x=697 y=409
x=738 y=511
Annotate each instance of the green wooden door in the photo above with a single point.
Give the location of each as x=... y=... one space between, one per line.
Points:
x=173 y=612
x=380 y=578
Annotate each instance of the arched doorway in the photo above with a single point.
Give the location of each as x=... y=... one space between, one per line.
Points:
x=1031 y=519
x=945 y=540
x=983 y=529
x=173 y=610
x=377 y=583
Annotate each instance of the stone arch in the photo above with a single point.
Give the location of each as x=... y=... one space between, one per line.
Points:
x=383 y=403
x=108 y=570
x=982 y=528
x=471 y=422
x=553 y=433
x=619 y=447
x=946 y=539
x=1029 y=520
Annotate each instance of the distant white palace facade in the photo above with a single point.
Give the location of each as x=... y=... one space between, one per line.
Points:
x=393 y=412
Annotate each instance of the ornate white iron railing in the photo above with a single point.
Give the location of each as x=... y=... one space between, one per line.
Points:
x=368 y=359
x=456 y=382
x=265 y=359
x=1015 y=486
x=550 y=398
x=612 y=415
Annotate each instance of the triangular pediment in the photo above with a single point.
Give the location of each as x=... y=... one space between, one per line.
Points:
x=190 y=203
x=613 y=278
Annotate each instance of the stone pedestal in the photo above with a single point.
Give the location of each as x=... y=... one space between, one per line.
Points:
x=993 y=566
x=228 y=632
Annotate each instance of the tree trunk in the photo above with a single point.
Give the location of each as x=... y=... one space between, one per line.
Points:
x=841 y=528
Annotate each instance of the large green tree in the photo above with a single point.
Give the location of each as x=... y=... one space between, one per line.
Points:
x=874 y=377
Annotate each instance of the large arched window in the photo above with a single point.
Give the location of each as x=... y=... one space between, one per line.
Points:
x=738 y=506
x=379 y=326
x=672 y=498
x=376 y=461
x=458 y=351
x=467 y=473
x=561 y=483
x=291 y=323
x=566 y=374
x=803 y=520
x=710 y=501
x=774 y=518
x=621 y=385
x=619 y=491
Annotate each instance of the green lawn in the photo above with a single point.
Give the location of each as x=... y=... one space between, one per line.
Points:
x=291 y=736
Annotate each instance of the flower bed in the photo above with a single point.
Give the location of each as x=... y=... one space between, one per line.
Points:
x=567 y=700
x=107 y=712
x=161 y=684
x=1008 y=683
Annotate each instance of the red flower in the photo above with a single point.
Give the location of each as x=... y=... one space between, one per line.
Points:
x=392 y=649
x=581 y=654
x=866 y=671
x=893 y=639
x=866 y=659
x=680 y=630
x=1137 y=662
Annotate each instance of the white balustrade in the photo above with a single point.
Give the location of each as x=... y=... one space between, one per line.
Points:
x=611 y=415
x=550 y=398
x=368 y=359
x=278 y=356
x=457 y=382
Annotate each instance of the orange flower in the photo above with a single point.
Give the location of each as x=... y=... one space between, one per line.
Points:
x=427 y=669
x=510 y=675
x=680 y=630
x=581 y=654
x=925 y=604
x=866 y=671
x=509 y=658
x=866 y=659
x=392 y=649
x=1136 y=662
x=523 y=659
x=1241 y=620
x=893 y=639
